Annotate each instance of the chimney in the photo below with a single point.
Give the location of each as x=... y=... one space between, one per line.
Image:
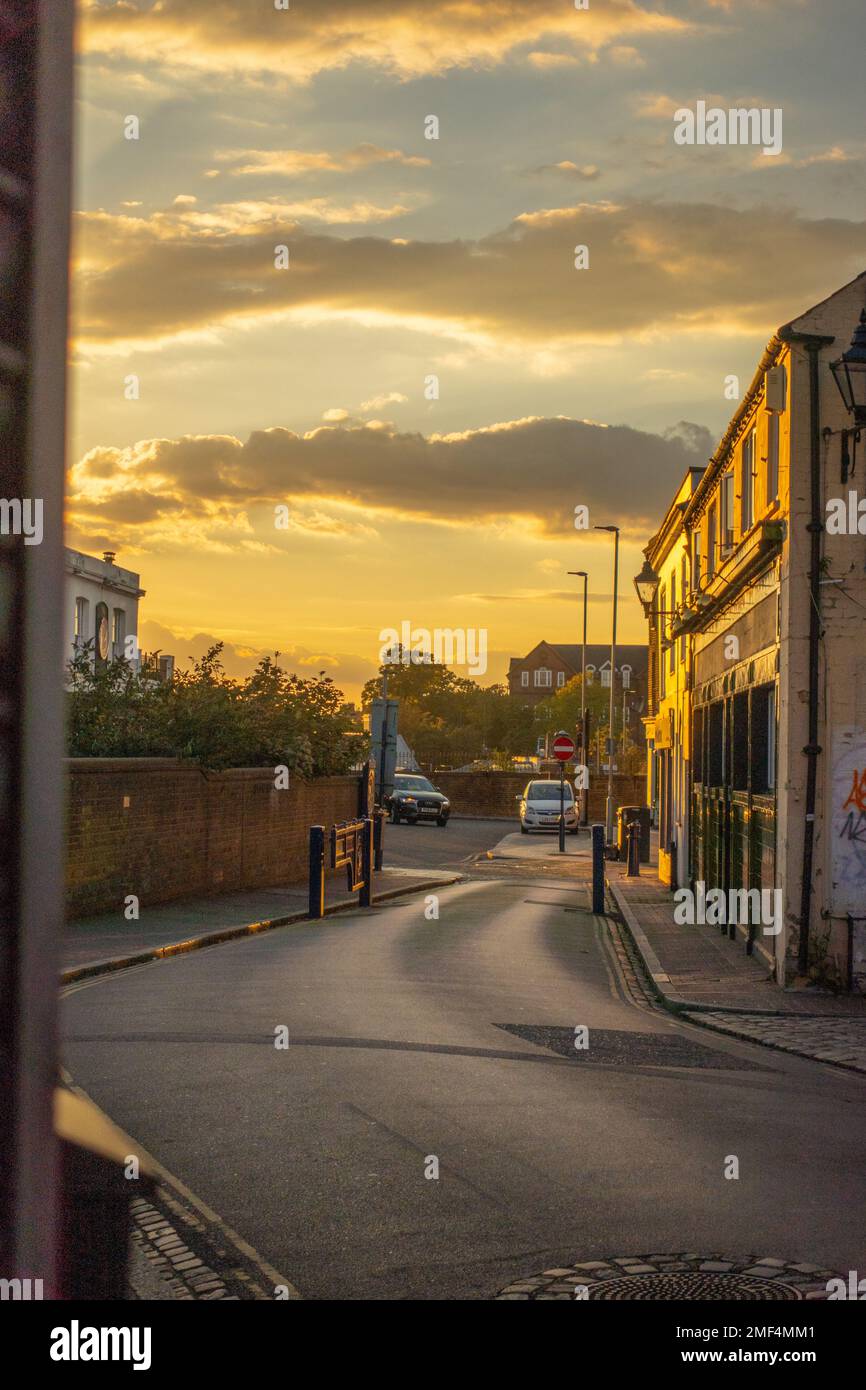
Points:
x=108 y=556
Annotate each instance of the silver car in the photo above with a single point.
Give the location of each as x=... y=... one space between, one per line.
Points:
x=539 y=807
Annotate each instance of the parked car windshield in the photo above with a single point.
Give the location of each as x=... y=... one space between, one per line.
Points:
x=413 y=784
x=547 y=791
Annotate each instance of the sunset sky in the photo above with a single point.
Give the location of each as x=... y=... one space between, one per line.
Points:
x=411 y=258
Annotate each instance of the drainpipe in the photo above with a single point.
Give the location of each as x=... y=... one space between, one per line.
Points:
x=813 y=344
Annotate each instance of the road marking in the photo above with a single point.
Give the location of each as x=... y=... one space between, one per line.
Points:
x=611 y=982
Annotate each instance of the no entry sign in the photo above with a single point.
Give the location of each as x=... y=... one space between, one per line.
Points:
x=563 y=747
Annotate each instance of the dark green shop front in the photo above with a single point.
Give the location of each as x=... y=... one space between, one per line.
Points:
x=733 y=820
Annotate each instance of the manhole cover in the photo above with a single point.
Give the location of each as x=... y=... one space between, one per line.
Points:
x=691 y=1286
x=687 y=1278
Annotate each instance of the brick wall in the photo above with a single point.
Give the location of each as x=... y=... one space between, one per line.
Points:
x=492 y=793
x=161 y=830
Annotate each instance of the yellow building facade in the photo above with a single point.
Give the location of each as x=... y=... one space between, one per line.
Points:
x=757 y=720
x=668 y=724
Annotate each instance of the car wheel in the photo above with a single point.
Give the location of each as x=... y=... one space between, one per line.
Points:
x=573 y=832
x=523 y=830
x=442 y=820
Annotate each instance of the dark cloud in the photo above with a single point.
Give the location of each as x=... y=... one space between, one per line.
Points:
x=652 y=266
x=536 y=469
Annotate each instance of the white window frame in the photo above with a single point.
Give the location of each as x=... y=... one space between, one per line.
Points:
x=81 y=628
x=726 y=512
x=560 y=679
x=747 y=482
x=524 y=678
x=672 y=646
x=118 y=629
x=543 y=678
x=772 y=475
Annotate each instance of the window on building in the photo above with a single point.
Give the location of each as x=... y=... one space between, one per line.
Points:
x=684 y=586
x=661 y=629
x=726 y=513
x=118 y=630
x=524 y=678
x=698 y=744
x=543 y=677
x=711 y=541
x=740 y=742
x=560 y=678
x=82 y=621
x=605 y=675
x=747 y=483
x=696 y=560
x=762 y=771
x=626 y=678
x=590 y=675
x=672 y=650
x=772 y=459
x=716 y=744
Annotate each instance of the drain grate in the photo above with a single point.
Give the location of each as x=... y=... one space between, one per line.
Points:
x=687 y=1278
x=619 y=1046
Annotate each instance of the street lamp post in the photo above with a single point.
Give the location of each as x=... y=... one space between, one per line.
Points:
x=609 y=808
x=849 y=372
x=584 y=751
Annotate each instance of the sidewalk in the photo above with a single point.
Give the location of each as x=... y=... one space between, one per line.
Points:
x=699 y=971
x=541 y=846
x=95 y=945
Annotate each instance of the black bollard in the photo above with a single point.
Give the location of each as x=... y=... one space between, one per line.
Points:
x=317 y=871
x=598 y=832
x=632 y=840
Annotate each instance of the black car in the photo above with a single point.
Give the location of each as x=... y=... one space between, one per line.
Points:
x=415 y=799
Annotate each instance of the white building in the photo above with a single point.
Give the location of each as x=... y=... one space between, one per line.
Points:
x=101 y=608
x=406 y=760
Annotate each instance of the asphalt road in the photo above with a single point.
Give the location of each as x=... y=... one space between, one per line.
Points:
x=431 y=846
x=317 y=1154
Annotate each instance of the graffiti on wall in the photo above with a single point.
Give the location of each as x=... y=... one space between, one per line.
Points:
x=849 y=823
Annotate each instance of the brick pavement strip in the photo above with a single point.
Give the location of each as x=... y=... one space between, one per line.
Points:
x=700 y=974
x=841 y=1041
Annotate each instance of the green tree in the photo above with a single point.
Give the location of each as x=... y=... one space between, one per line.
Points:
x=449 y=720
x=270 y=719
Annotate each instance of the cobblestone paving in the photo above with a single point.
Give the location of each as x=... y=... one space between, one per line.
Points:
x=827 y=1039
x=705 y=967
x=686 y=1276
x=189 y=1259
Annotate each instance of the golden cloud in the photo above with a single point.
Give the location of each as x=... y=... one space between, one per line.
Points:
x=410 y=38
x=296 y=163
x=535 y=470
x=653 y=266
